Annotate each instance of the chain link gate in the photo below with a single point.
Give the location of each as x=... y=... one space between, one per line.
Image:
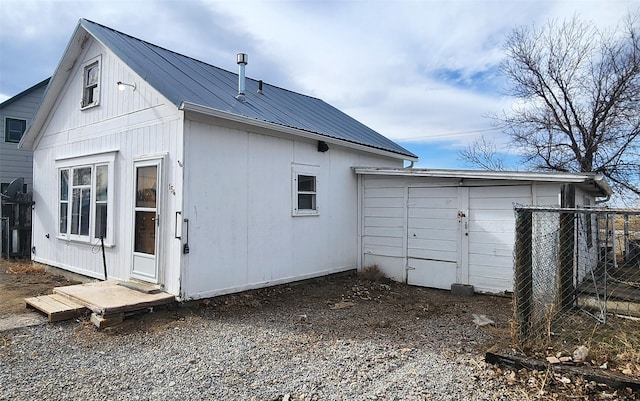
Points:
x=572 y=262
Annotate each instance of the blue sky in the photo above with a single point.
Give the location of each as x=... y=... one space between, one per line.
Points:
x=423 y=73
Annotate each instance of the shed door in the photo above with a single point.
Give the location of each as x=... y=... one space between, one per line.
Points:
x=436 y=251
x=492 y=234
x=145 y=221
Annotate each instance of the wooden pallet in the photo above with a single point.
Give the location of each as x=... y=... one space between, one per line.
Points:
x=57 y=307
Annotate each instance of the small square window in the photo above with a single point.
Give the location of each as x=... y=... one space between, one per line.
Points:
x=305 y=190
x=13 y=129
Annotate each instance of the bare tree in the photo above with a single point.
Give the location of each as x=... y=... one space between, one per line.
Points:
x=483 y=153
x=578 y=99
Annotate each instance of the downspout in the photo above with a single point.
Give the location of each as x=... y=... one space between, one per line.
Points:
x=603 y=185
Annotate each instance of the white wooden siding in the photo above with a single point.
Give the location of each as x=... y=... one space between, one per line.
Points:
x=433 y=241
x=238 y=201
x=492 y=235
x=384 y=228
x=131 y=123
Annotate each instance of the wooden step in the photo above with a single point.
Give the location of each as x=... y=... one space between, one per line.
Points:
x=56 y=306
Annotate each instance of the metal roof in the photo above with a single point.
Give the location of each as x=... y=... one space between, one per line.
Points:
x=24 y=93
x=594 y=180
x=184 y=80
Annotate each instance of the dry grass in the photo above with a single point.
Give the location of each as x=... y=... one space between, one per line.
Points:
x=372 y=273
x=615 y=344
x=24 y=268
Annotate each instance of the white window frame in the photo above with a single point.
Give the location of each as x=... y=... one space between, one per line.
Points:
x=93 y=86
x=304 y=170
x=94 y=161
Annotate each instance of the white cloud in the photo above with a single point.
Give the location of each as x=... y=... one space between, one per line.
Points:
x=409 y=69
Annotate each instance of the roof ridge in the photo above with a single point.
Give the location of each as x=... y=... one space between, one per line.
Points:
x=196 y=60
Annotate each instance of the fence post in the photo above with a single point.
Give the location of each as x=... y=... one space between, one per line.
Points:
x=566 y=291
x=524 y=272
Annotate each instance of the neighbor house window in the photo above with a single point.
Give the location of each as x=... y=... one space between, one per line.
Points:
x=85 y=201
x=305 y=190
x=91 y=84
x=13 y=129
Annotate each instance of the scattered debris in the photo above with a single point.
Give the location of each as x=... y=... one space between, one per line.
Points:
x=482 y=320
x=581 y=354
x=553 y=360
x=342 y=305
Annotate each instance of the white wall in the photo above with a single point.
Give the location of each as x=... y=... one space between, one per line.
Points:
x=486 y=259
x=238 y=199
x=129 y=124
x=384 y=229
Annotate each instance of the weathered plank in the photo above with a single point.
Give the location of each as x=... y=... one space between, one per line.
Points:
x=610 y=378
x=55 y=306
x=108 y=297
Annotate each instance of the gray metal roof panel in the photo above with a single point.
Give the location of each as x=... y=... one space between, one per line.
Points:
x=183 y=79
x=24 y=93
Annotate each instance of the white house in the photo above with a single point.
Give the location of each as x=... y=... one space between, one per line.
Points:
x=16 y=114
x=195 y=178
x=435 y=228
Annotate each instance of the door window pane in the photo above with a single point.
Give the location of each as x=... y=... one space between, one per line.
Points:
x=146 y=185
x=145 y=235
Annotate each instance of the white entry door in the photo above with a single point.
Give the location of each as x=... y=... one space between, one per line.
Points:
x=146 y=223
x=436 y=243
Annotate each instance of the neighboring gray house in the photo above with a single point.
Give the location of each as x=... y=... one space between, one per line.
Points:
x=16 y=114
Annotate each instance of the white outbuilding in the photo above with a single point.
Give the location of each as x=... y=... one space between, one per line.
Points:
x=435 y=228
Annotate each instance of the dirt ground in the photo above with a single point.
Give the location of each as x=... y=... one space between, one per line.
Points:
x=376 y=307
x=21 y=279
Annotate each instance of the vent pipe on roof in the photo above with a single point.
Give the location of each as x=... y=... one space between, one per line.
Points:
x=242 y=60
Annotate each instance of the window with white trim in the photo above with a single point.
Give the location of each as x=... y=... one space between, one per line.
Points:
x=304 y=190
x=91 y=84
x=85 y=201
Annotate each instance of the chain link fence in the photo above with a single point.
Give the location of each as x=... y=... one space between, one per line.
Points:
x=571 y=265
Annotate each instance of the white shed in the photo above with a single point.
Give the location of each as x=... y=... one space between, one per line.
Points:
x=435 y=228
x=196 y=179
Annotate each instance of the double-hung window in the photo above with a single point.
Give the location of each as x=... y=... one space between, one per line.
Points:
x=304 y=190
x=85 y=201
x=91 y=84
x=13 y=129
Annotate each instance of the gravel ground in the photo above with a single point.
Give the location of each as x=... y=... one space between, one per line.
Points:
x=337 y=338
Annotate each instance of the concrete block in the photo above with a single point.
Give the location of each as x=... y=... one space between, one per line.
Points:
x=463 y=290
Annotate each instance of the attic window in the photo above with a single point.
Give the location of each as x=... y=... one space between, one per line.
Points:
x=91 y=84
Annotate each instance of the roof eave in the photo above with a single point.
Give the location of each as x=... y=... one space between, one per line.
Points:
x=186 y=106
x=572 y=178
x=56 y=82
